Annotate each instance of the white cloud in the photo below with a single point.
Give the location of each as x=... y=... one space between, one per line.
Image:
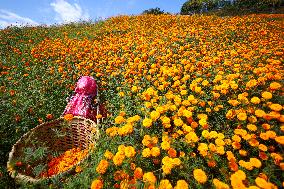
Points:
x=67 y=12
x=8 y=18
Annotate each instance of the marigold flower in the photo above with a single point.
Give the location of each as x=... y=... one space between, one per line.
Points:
x=280 y=140
x=275 y=86
x=165 y=145
x=138 y=173
x=220 y=185
x=165 y=184
x=255 y=100
x=119 y=119
x=154 y=115
x=68 y=117
x=259 y=113
x=172 y=152
x=102 y=167
x=275 y=107
x=149 y=177
x=262 y=183
x=262 y=147
x=49 y=116
x=266 y=95
x=134 y=89
x=242 y=116
x=255 y=162
x=97 y=184
x=181 y=184
x=155 y=151
x=251 y=127
x=178 y=122
x=146 y=153
x=129 y=152
x=118 y=159
x=147 y=122
x=199 y=176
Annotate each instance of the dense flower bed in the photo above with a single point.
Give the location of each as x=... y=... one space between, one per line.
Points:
x=193 y=101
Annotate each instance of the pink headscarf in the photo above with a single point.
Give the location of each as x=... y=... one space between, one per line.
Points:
x=80 y=103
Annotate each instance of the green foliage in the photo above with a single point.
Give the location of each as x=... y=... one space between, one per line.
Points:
x=197 y=6
x=155 y=11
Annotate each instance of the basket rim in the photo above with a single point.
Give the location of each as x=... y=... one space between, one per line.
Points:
x=18 y=176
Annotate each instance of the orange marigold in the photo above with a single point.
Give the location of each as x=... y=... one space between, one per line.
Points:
x=102 y=167
x=275 y=86
x=97 y=184
x=68 y=117
x=181 y=184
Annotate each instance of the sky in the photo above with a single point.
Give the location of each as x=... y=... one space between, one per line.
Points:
x=47 y=12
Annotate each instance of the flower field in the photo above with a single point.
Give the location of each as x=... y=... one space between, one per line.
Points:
x=192 y=101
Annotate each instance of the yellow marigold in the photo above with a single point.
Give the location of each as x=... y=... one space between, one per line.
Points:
x=202 y=122
x=219 y=142
x=134 y=89
x=243 y=152
x=102 y=167
x=148 y=104
x=119 y=119
x=191 y=137
x=199 y=176
x=266 y=95
x=220 y=150
x=154 y=115
x=187 y=113
x=121 y=148
x=108 y=155
x=275 y=86
x=118 y=159
x=262 y=183
x=242 y=116
x=146 y=153
x=129 y=152
x=165 y=184
x=149 y=177
x=234 y=102
x=275 y=107
x=251 y=83
x=147 y=122
x=255 y=100
x=181 y=184
x=230 y=114
x=165 y=145
x=255 y=162
x=205 y=134
x=183 y=92
x=251 y=127
x=97 y=184
x=178 y=122
x=155 y=151
x=259 y=113
x=220 y=185
x=280 y=140
x=213 y=134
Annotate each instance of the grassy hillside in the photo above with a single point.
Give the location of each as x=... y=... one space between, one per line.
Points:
x=192 y=101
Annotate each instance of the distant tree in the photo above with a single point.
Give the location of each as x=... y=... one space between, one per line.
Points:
x=197 y=6
x=155 y=11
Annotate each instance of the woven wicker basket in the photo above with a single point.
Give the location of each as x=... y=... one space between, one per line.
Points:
x=57 y=136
